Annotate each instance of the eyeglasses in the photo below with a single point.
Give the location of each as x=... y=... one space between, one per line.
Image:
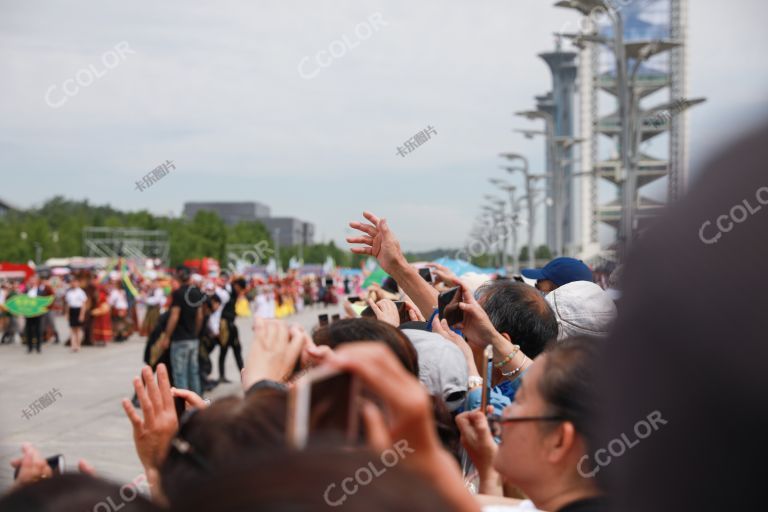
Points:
x=495 y=421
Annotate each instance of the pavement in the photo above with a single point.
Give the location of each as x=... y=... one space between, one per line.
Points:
x=83 y=417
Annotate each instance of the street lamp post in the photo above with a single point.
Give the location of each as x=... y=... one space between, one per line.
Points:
x=498 y=214
x=531 y=206
x=587 y=7
x=554 y=166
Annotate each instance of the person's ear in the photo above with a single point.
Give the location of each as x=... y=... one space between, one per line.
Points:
x=560 y=442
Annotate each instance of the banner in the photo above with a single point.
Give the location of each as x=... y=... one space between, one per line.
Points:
x=28 y=307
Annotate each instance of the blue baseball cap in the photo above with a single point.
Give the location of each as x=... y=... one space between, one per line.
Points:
x=560 y=271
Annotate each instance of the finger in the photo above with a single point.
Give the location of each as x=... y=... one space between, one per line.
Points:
x=133 y=416
x=360 y=240
x=85 y=468
x=437 y=326
x=144 y=402
x=190 y=398
x=296 y=342
x=371 y=217
x=152 y=389
x=412 y=315
x=164 y=385
x=375 y=428
x=374 y=307
x=365 y=228
x=362 y=250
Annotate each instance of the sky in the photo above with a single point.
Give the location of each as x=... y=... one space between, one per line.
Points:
x=231 y=91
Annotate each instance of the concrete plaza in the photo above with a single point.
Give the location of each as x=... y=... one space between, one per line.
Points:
x=86 y=419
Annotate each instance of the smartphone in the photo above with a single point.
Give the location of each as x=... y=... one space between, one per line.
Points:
x=488 y=354
x=448 y=306
x=322 y=319
x=55 y=462
x=335 y=317
x=353 y=298
x=323 y=407
x=180 y=405
x=426 y=274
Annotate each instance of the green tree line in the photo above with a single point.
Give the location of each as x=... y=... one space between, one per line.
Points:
x=56 y=230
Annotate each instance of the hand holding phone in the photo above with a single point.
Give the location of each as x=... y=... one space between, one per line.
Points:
x=323 y=406
x=32 y=466
x=448 y=306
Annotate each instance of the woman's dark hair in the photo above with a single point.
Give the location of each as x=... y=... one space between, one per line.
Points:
x=210 y=438
x=312 y=479
x=75 y=492
x=567 y=379
x=369 y=329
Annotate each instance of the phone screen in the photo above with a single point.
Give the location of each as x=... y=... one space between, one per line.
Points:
x=322 y=319
x=353 y=298
x=335 y=317
x=426 y=274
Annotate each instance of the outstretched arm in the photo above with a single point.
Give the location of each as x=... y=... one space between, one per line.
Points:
x=377 y=240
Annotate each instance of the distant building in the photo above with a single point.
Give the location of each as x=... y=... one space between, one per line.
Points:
x=285 y=231
x=231 y=213
x=288 y=231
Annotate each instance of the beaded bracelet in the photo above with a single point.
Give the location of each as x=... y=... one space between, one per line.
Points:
x=516 y=370
x=509 y=357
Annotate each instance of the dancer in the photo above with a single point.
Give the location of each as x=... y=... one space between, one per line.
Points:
x=75 y=300
x=229 y=335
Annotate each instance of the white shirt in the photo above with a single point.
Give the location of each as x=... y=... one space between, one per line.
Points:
x=214 y=321
x=262 y=306
x=75 y=297
x=117 y=299
x=223 y=294
x=156 y=298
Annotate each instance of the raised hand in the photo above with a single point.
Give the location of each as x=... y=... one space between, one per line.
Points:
x=410 y=428
x=152 y=434
x=476 y=326
x=378 y=241
x=274 y=351
x=31 y=465
x=477 y=440
x=441 y=327
x=443 y=274
x=413 y=312
x=386 y=311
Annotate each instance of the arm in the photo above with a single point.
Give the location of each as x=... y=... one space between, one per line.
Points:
x=173 y=320
x=379 y=242
x=199 y=320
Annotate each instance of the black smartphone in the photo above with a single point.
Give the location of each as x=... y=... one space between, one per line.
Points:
x=324 y=406
x=180 y=405
x=402 y=310
x=448 y=306
x=426 y=274
x=322 y=319
x=353 y=298
x=335 y=317
x=55 y=462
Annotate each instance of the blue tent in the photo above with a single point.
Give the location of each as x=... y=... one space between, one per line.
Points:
x=461 y=267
